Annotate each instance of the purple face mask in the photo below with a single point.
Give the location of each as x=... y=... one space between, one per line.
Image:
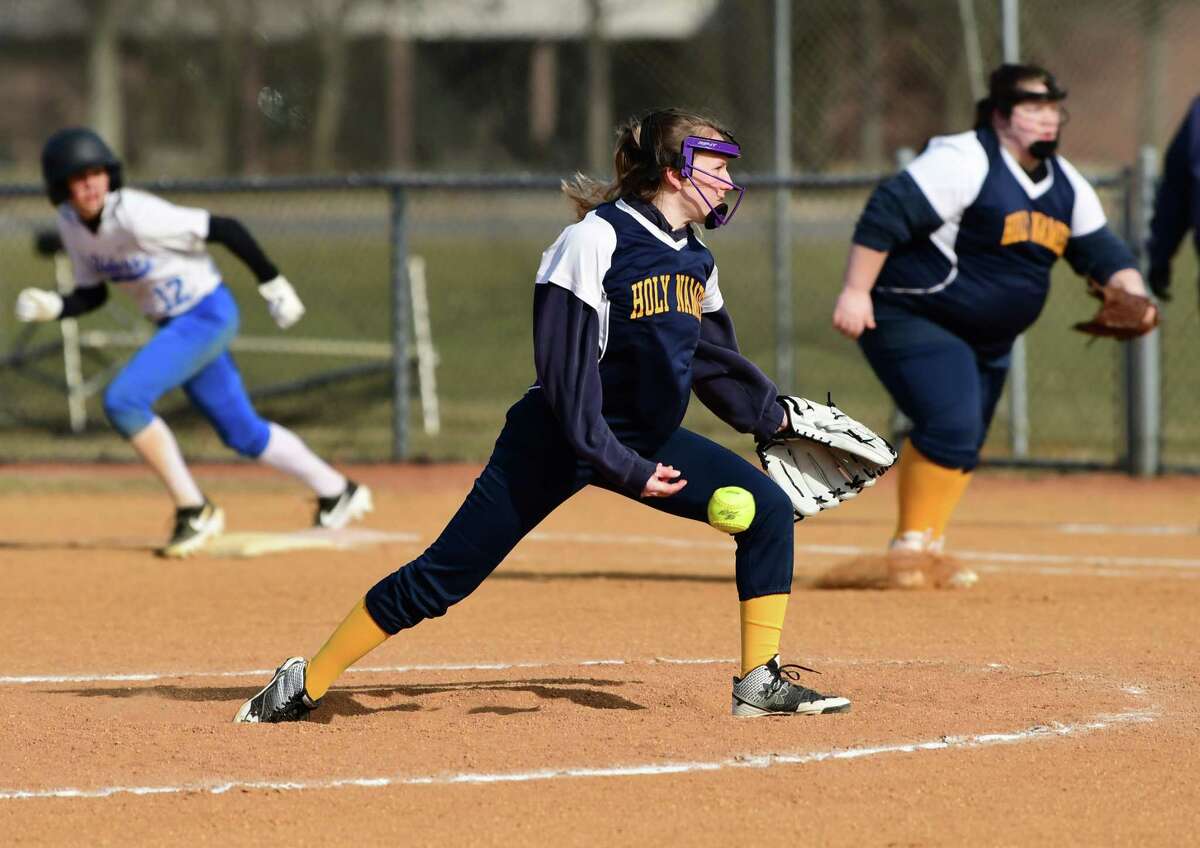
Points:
x=719 y=215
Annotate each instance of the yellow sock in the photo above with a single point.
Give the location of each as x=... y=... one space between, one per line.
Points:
x=354 y=638
x=928 y=493
x=762 y=625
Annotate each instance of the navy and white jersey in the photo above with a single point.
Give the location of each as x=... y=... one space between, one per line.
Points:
x=649 y=289
x=153 y=249
x=972 y=237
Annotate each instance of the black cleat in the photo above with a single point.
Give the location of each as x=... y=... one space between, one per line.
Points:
x=194 y=526
x=764 y=691
x=336 y=512
x=283 y=699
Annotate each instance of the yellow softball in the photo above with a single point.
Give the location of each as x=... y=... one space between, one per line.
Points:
x=731 y=509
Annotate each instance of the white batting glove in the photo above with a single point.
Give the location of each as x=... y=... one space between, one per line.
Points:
x=38 y=305
x=282 y=301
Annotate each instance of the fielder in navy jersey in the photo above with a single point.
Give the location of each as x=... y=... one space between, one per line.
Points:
x=950 y=262
x=157 y=253
x=628 y=320
x=1177 y=202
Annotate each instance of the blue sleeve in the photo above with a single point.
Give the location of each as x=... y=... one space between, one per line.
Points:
x=1174 y=198
x=566 y=345
x=1099 y=255
x=897 y=213
x=730 y=385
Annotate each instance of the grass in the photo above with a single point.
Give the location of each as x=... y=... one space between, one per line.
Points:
x=482 y=252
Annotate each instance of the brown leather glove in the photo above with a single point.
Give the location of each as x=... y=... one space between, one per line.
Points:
x=1121 y=315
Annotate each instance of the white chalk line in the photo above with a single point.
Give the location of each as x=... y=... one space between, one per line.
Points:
x=738 y=761
x=856 y=550
x=148 y=676
x=1082 y=529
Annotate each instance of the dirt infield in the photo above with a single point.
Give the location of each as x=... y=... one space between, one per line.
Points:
x=581 y=696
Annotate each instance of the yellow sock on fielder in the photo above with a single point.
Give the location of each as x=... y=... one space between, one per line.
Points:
x=354 y=638
x=928 y=493
x=762 y=626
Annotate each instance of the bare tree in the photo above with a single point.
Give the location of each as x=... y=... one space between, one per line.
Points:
x=104 y=70
x=236 y=127
x=599 y=92
x=543 y=93
x=401 y=99
x=1154 y=71
x=873 y=103
x=327 y=19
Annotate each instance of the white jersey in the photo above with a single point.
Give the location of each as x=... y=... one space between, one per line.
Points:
x=147 y=246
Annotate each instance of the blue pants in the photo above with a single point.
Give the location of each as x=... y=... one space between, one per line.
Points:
x=190 y=350
x=947 y=387
x=532 y=470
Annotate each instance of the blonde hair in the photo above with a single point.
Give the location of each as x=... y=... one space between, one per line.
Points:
x=639 y=173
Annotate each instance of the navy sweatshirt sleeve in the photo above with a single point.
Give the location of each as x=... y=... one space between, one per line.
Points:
x=233 y=234
x=730 y=385
x=566 y=345
x=1098 y=255
x=1174 y=200
x=897 y=212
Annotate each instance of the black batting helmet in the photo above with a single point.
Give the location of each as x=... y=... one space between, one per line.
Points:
x=73 y=150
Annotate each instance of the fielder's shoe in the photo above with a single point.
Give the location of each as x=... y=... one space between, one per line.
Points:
x=283 y=699
x=763 y=691
x=957 y=575
x=338 y=511
x=916 y=559
x=194 y=526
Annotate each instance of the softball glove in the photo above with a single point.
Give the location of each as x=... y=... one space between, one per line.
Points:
x=822 y=457
x=1121 y=316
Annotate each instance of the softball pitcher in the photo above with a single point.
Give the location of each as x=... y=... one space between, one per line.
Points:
x=156 y=251
x=950 y=262
x=629 y=319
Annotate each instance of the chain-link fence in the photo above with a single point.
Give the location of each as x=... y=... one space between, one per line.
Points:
x=215 y=88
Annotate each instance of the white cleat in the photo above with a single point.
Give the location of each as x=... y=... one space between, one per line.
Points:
x=195 y=526
x=352 y=504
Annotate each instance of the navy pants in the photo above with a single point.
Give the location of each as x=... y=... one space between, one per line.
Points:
x=191 y=350
x=532 y=470
x=947 y=387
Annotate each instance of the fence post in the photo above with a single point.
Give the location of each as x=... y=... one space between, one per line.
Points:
x=1018 y=383
x=784 y=358
x=401 y=316
x=900 y=425
x=1018 y=400
x=1143 y=400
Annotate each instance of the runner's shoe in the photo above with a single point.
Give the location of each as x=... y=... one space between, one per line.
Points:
x=194 y=527
x=336 y=512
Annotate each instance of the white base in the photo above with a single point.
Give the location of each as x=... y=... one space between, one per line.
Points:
x=313 y=538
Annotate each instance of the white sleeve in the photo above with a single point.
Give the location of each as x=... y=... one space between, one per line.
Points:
x=1088 y=215
x=159 y=224
x=950 y=173
x=713 y=301
x=579 y=259
x=85 y=275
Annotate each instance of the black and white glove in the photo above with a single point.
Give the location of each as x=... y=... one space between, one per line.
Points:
x=822 y=457
x=282 y=301
x=38 y=305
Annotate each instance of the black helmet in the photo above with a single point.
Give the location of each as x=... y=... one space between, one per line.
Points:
x=73 y=150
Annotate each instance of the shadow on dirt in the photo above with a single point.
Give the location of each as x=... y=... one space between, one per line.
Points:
x=78 y=545
x=585 y=692
x=638 y=576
